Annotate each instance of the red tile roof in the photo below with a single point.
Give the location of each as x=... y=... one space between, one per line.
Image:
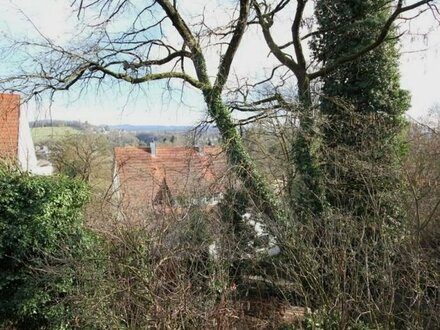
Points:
x=174 y=172
x=9 y=124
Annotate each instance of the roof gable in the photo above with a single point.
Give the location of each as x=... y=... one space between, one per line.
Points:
x=163 y=196
x=9 y=124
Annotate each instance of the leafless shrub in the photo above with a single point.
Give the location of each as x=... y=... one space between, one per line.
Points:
x=343 y=269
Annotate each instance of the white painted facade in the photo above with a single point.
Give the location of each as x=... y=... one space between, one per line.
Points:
x=26 y=150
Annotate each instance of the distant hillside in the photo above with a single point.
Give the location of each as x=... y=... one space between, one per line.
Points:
x=49 y=130
x=151 y=128
x=159 y=128
x=125 y=127
x=61 y=123
x=42 y=134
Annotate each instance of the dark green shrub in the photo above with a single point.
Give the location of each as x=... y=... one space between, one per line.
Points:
x=41 y=233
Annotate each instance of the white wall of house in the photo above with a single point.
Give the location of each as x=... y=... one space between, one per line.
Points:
x=26 y=149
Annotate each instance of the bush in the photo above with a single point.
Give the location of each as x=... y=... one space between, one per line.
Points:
x=41 y=232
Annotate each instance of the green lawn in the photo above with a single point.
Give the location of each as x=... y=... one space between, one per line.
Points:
x=40 y=134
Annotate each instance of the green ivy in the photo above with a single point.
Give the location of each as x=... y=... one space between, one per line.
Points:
x=363 y=105
x=41 y=232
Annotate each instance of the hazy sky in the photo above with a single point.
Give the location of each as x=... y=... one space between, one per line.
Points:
x=420 y=68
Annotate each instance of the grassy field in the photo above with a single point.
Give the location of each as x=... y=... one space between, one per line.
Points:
x=40 y=134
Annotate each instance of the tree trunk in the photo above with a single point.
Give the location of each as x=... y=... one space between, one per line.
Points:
x=306 y=187
x=256 y=185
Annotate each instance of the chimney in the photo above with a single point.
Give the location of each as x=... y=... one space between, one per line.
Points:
x=153 y=148
x=199 y=148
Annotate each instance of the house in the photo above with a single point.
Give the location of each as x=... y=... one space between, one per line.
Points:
x=160 y=178
x=16 y=144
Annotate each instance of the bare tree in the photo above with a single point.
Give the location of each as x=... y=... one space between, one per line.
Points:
x=160 y=44
x=81 y=156
x=151 y=49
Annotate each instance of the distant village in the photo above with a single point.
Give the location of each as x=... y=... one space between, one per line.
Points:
x=120 y=135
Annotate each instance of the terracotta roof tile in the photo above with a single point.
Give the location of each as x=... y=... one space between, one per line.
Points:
x=174 y=172
x=9 y=124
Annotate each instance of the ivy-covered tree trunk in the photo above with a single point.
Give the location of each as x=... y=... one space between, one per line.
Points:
x=362 y=106
x=239 y=158
x=347 y=33
x=306 y=185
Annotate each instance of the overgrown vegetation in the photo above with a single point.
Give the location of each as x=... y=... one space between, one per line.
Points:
x=331 y=221
x=342 y=271
x=42 y=238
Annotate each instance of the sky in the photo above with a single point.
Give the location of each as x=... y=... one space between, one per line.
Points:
x=117 y=104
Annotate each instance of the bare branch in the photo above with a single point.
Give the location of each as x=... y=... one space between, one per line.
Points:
x=274 y=48
x=225 y=64
x=295 y=33
x=178 y=54
x=188 y=38
x=147 y=77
